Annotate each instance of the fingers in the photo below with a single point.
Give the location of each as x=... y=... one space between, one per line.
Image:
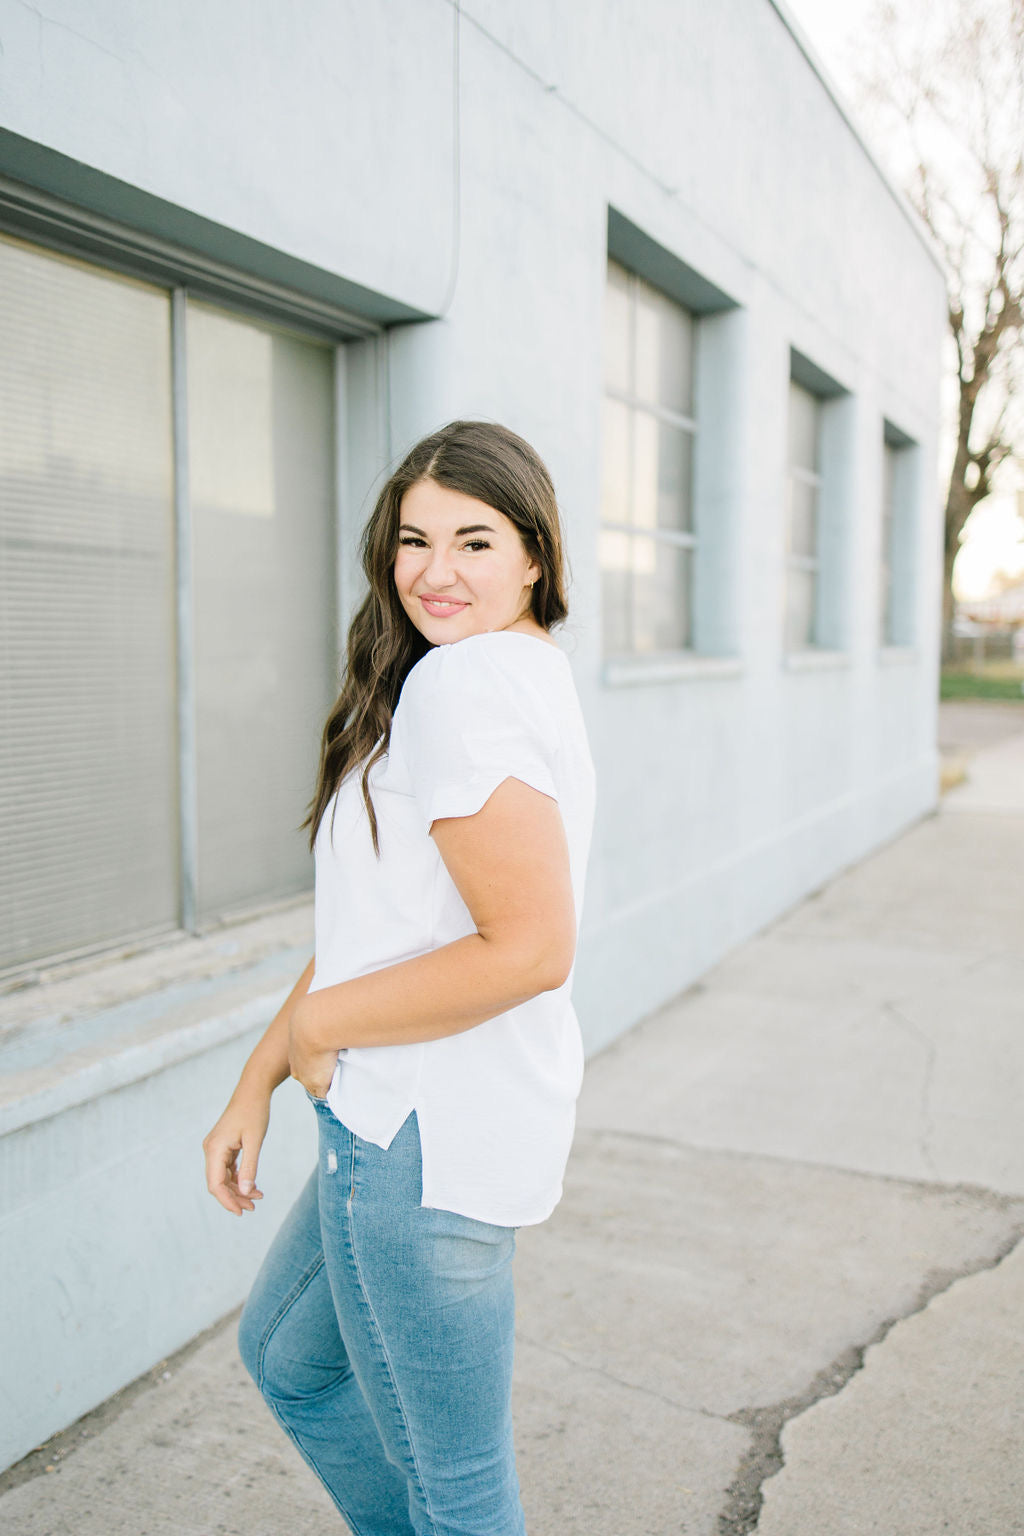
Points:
x=232 y=1150
x=224 y=1183
x=223 y=1187
x=247 y=1174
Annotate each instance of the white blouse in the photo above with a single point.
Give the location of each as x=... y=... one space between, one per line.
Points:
x=495 y=1104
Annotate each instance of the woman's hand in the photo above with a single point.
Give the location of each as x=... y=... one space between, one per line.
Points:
x=309 y=1063
x=232 y=1151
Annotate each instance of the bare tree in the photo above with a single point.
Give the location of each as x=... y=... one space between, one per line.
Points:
x=942 y=88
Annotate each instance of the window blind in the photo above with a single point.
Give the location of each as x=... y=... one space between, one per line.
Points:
x=261 y=481
x=88 y=813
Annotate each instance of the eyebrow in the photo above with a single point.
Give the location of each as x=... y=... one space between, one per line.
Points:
x=459 y=532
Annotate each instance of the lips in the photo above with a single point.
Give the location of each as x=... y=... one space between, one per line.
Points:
x=441 y=607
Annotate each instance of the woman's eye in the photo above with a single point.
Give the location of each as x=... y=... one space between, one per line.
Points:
x=414 y=540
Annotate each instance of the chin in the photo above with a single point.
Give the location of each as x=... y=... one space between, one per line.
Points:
x=443 y=634
x=438 y=631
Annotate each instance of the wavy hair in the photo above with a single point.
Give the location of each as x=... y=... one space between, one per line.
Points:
x=482 y=460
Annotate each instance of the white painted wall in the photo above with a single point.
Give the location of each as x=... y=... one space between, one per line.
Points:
x=326 y=130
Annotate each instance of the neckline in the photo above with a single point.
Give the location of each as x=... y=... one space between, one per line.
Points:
x=519 y=634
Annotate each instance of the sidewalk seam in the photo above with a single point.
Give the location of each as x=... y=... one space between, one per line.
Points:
x=994 y=1199
x=930 y=1059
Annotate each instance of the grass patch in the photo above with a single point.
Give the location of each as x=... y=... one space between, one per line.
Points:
x=1005 y=682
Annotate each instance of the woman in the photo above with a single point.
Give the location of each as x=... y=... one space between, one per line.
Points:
x=433 y=1030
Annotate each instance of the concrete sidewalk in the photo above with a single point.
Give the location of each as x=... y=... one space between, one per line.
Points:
x=783 y=1290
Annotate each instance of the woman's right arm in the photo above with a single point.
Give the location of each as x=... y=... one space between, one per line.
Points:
x=232 y=1148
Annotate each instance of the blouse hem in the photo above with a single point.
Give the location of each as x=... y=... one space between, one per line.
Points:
x=513 y=1220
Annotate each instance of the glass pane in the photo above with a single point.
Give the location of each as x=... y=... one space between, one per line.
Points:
x=615 y=477
x=617 y=349
x=676 y=373
x=804 y=414
x=88 y=749
x=661 y=596
x=645 y=470
x=888 y=478
x=888 y=540
x=664 y=351
x=886 y=605
x=888 y=500
x=616 y=584
x=675 y=478
x=803 y=516
x=261 y=472
x=799 y=608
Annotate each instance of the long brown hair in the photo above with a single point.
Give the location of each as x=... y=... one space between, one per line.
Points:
x=480 y=459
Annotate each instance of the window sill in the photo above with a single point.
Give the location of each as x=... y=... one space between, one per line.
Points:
x=814 y=659
x=80 y=1033
x=897 y=655
x=667 y=667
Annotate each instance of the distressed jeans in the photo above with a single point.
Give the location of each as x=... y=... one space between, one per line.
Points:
x=380 y=1334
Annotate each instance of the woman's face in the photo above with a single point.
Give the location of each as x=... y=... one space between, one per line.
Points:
x=461 y=567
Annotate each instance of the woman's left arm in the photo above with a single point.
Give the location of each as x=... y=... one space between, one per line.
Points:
x=510 y=864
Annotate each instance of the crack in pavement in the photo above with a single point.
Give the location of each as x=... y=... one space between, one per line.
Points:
x=619 y=1381
x=764 y=1458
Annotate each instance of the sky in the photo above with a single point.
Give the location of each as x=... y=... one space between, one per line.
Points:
x=828 y=26
x=994 y=531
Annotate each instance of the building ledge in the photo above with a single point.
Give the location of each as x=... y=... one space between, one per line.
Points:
x=80 y=1031
x=667 y=667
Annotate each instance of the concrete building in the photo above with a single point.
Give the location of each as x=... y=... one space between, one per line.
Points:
x=251 y=253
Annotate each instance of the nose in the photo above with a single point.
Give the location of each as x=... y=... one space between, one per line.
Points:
x=438 y=571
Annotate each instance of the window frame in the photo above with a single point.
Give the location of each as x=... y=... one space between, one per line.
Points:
x=806 y=563
x=57 y=228
x=720 y=365
x=637 y=406
x=896 y=625
x=832 y=480
x=886 y=604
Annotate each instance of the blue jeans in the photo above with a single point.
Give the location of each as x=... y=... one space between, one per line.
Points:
x=381 y=1336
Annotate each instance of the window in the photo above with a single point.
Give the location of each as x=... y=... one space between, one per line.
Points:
x=260 y=432
x=802 y=562
x=648 y=539
x=161 y=699
x=896 y=562
x=819 y=480
x=888 y=522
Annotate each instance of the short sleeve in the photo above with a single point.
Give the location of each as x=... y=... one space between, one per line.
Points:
x=469 y=719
